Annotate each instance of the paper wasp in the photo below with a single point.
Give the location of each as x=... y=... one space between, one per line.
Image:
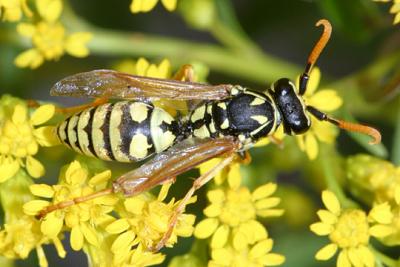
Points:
x=229 y=119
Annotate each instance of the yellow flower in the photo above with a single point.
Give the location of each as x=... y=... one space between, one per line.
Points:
x=349 y=230
x=81 y=218
x=147 y=5
x=20 y=140
x=12 y=10
x=395 y=9
x=49 y=38
x=325 y=100
x=379 y=178
x=144 y=221
x=22 y=235
x=238 y=255
x=233 y=210
x=143 y=68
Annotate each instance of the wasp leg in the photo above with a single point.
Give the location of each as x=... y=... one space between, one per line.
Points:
x=276 y=141
x=161 y=169
x=185 y=73
x=199 y=182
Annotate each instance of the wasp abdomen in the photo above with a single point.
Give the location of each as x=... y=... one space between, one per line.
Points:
x=125 y=131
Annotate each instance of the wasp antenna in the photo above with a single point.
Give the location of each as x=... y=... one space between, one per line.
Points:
x=345 y=125
x=358 y=128
x=312 y=58
x=71 y=202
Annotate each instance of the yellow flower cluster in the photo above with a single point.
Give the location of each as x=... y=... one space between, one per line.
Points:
x=325 y=100
x=49 y=37
x=237 y=238
x=20 y=138
x=378 y=181
x=13 y=10
x=350 y=230
x=147 y=5
x=395 y=9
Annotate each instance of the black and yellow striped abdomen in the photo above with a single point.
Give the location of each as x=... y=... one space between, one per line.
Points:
x=125 y=131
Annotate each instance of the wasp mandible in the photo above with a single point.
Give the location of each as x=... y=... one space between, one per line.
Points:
x=229 y=119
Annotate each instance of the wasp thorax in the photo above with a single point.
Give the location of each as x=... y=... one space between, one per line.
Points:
x=291 y=106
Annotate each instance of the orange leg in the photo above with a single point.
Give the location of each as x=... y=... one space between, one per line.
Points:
x=185 y=73
x=199 y=182
x=98 y=101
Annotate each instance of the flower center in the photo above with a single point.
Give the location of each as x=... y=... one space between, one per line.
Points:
x=351 y=230
x=49 y=39
x=238 y=207
x=18 y=139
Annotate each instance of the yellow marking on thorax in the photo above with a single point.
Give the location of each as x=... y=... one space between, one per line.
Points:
x=225 y=124
x=83 y=137
x=115 y=134
x=72 y=134
x=139 y=146
x=222 y=105
x=260 y=119
x=138 y=111
x=198 y=113
x=257 y=101
x=162 y=140
x=97 y=133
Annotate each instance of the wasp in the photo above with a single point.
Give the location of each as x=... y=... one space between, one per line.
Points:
x=227 y=119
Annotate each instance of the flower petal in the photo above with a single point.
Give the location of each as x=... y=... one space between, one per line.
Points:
x=50 y=10
x=46 y=136
x=100 y=178
x=76 y=44
x=263 y=191
x=325 y=100
x=42 y=190
x=311 y=145
x=331 y=202
x=76 y=238
x=343 y=260
x=380 y=230
x=8 y=168
x=326 y=252
x=51 y=225
x=123 y=242
x=90 y=234
x=31 y=58
x=117 y=226
x=327 y=217
x=34 y=206
x=170 y=5
x=321 y=228
x=261 y=248
x=206 y=228
x=42 y=114
x=220 y=237
x=34 y=167
x=381 y=213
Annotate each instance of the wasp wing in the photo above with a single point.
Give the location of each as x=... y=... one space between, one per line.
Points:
x=176 y=160
x=118 y=85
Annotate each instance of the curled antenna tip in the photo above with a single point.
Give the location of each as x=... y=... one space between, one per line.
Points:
x=376 y=135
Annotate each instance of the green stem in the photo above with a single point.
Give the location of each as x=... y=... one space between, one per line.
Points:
x=396 y=137
x=254 y=66
x=331 y=180
x=386 y=260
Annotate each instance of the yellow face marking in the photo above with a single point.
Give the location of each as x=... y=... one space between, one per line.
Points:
x=97 y=133
x=202 y=132
x=138 y=111
x=257 y=101
x=72 y=134
x=225 y=124
x=82 y=135
x=198 y=113
x=222 y=105
x=115 y=134
x=160 y=139
x=139 y=146
x=260 y=119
